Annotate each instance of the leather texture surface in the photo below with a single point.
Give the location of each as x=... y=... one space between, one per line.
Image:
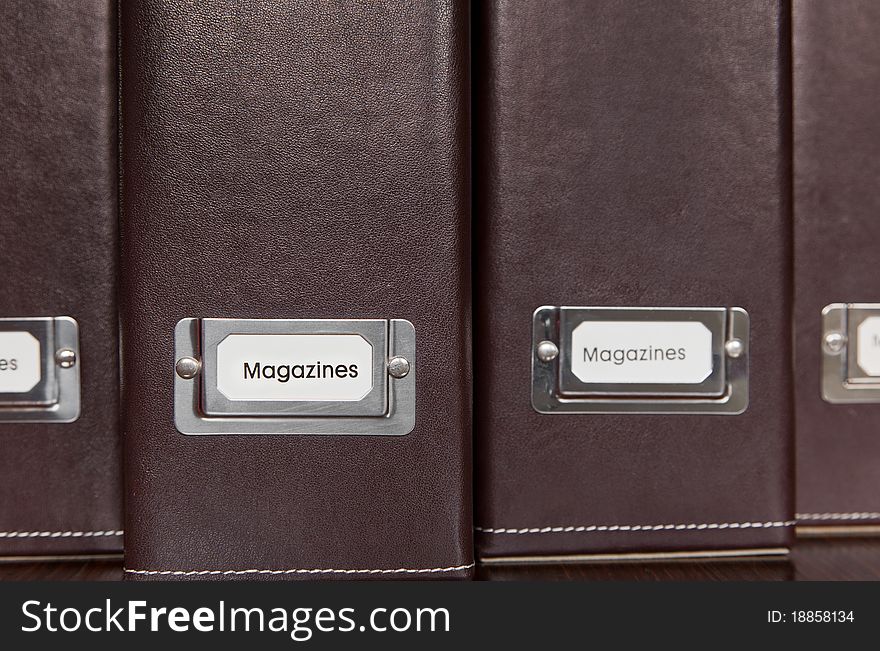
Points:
x=631 y=154
x=297 y=160
x=60 y=484
x=837 y=236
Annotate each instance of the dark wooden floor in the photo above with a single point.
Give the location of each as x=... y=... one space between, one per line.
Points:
x=812 y=559
x=841 y=559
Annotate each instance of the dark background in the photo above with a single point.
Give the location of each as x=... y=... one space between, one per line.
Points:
x=812 y=559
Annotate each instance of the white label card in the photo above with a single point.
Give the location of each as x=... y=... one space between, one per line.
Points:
x=295 y=367
x=641 y=352
x=20 y=362
x=868 y=346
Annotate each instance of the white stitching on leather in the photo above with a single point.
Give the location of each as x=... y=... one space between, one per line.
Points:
x=59 y=534
x=864 y=515
x=594 y=528
x=402 y=570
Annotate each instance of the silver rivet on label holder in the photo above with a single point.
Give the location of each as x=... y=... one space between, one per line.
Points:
x=547 y=351
x=834 y=342
x=734 y=348
x=188 y=367
x=65 y=358
x=398 y=367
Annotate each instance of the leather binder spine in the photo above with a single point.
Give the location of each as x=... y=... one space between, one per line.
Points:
x=634 y=156
x=296 y=161
x=837 y=234
x=60 y=482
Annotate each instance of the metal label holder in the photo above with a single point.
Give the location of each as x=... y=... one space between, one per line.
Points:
x=843 y=380
x=55 y=398
x=390 y=405
x=555 y=390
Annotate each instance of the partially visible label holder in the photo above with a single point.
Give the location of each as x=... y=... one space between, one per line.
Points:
x=53 y=395
x=388 y=409
x=844 y=379
x=556 y=390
